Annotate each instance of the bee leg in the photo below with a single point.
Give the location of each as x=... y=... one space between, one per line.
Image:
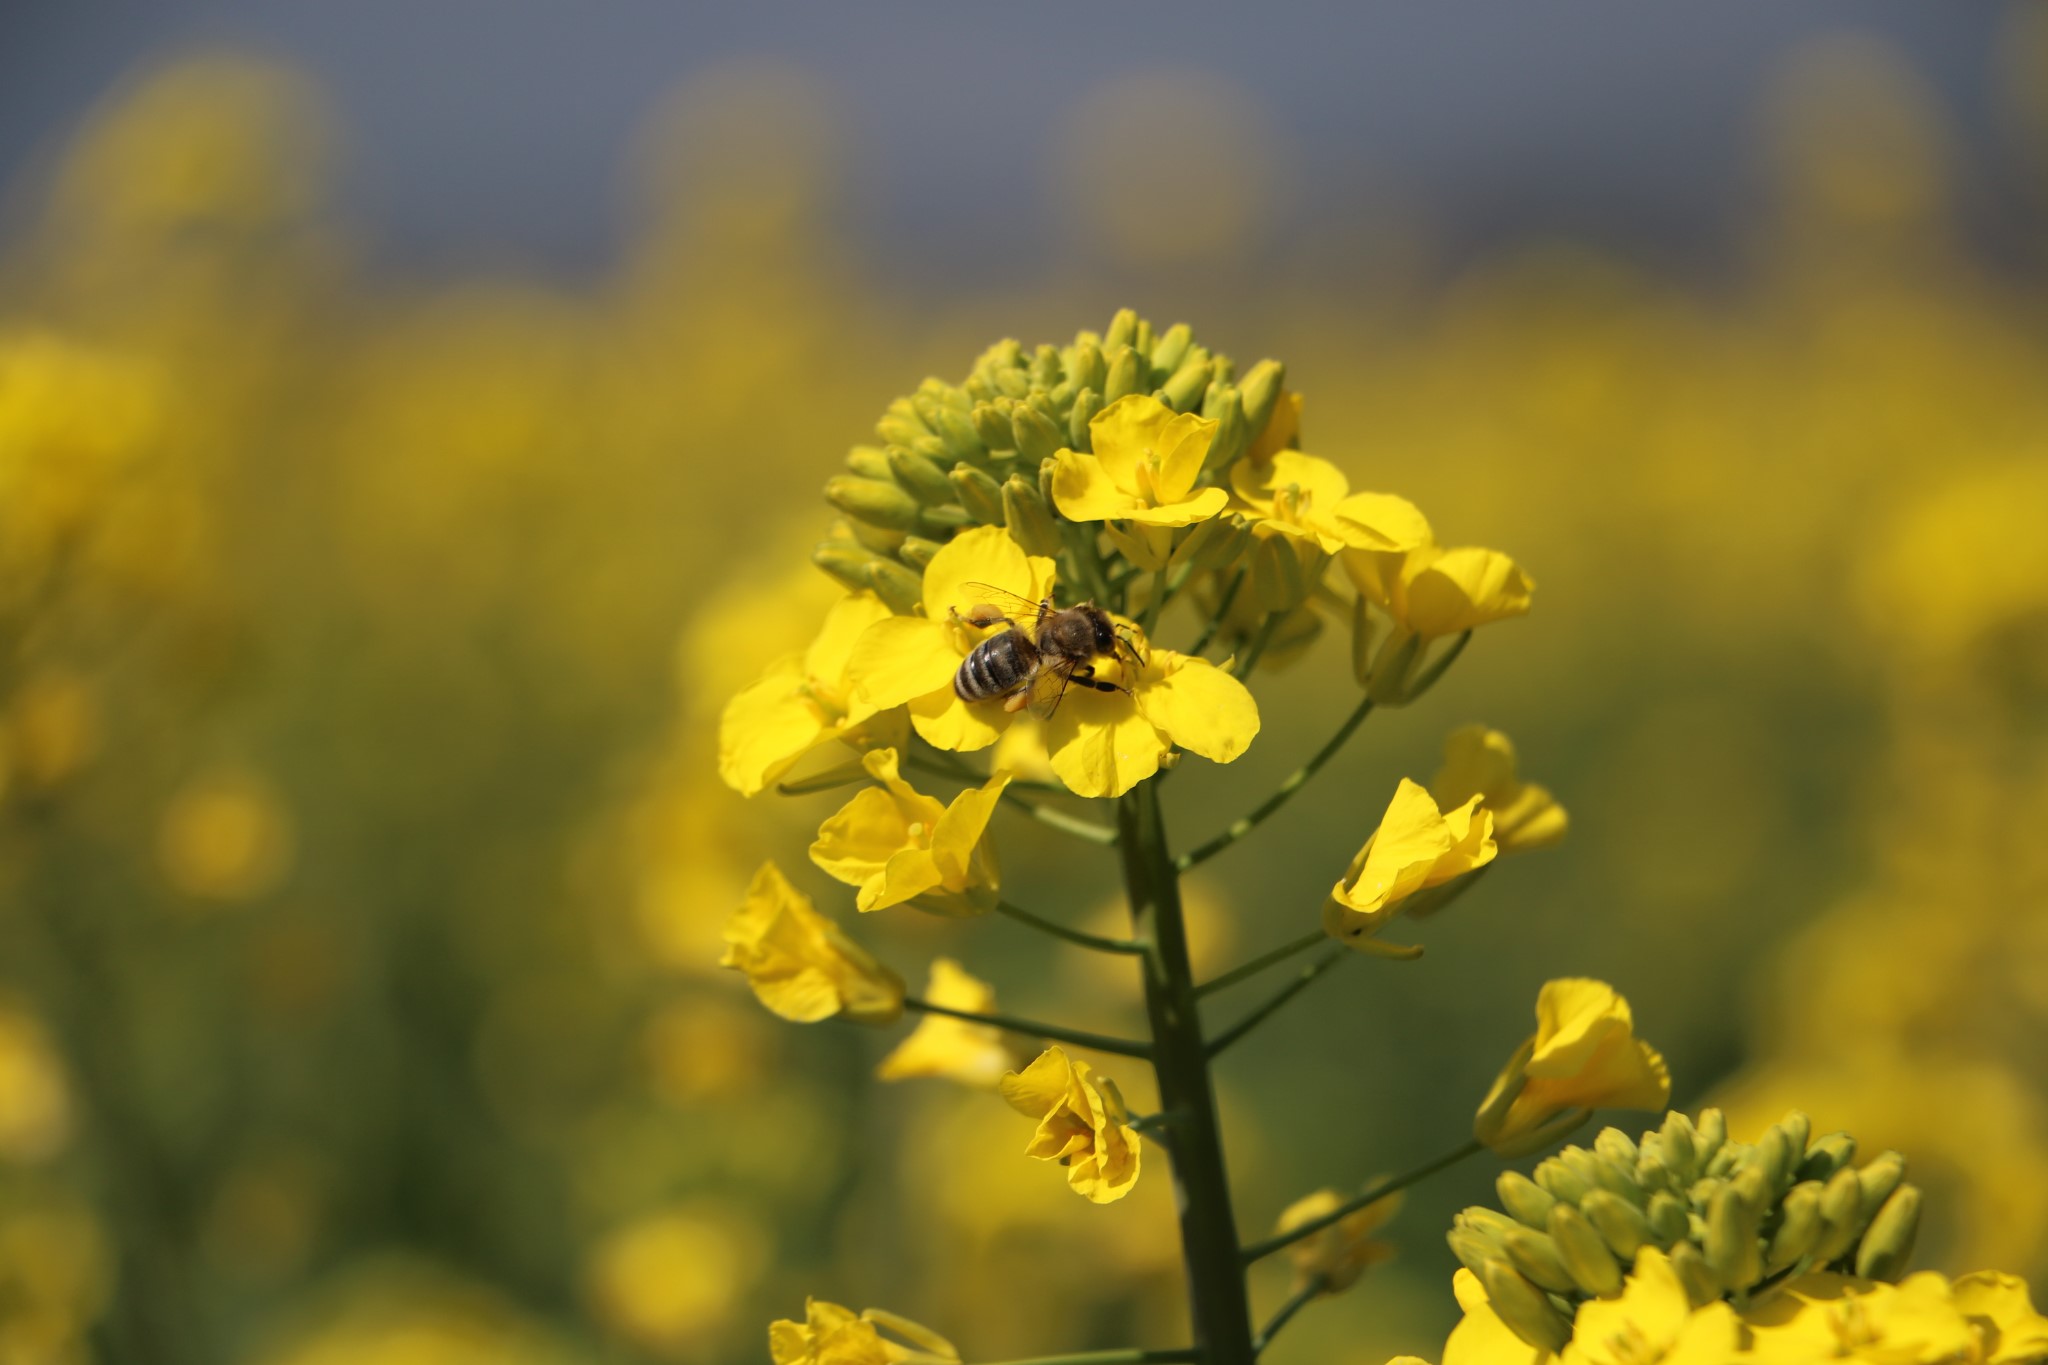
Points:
x=1086 y=677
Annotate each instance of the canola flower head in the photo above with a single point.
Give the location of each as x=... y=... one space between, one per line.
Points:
x=1336 y=1256
x=1480 y=762
x=834 y=1335
x=1583 y=1056
x=897 y=844
x=975 y=1055
x=800 y=964
x=1082 y=1124
x=1417 y=846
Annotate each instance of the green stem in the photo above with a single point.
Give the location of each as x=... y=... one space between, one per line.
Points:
x=1129 y=1357
x=1282 y=996
x=1267 y=629
x=1122 y=1047
x=1262 y=961
x=1050 y=816
x=1222 y=610
x=1376 y=1191
x=1095 y=941
x=1302 y=1298
x=1294 y=783
x=1180 y=1060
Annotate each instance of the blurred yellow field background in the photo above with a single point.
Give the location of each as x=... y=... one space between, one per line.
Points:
x=363 y=861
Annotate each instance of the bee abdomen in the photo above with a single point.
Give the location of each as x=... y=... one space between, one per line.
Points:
x=995 y=666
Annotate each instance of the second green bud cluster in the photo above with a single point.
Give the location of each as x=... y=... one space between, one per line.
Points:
x=1732 y=1217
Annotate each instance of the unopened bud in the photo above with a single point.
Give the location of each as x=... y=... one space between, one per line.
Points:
x=1172 y=346
x=981 y=495
x=1624 y=1227
x=880 y=539
x=1562 y=1182
x=1592 y=1264
x=1045 y=366
x=917 y=552
x=1478 y=1218
x=1472 y=1249
x=1029 y=519
x=845 y=561
x=1223 y=406
x=1536 y=1256
x=957 y=432
x=1701 y=1288
x=1712 y=1130
x=992 y=425
x=1799 y=1128
x=1879 y=1179
x=1668 y=1217
x=1183 y=391
x=1527 y=1202
x=1126 y=375
x=897 y=586
x=1731 y=1248
x=1888 y=1243
x=1616 y=1147
x=1621 y=1180
x=921 y=478
x=1827 y=1155
x=870 y=462
x=1123 y=330
x=872 y=501
x=1681 y=1149
x=1799 y=1227
x=1841 y=1209
x=900 y=424
x=1087 y=403
x=1261 y=387
x=1037 y=438
x=1523 y=1307
x=1086 y=367
x=1775 y=1159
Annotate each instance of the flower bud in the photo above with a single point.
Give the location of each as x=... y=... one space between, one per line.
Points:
x=1669 y=1218
x=920 y=477
x=1731 y=1250
x=879 y=539
x=1712 y=1130
x=1260 y=388
x=845 y=561
x=1045 y=366
x=872 y=501
x=1841 y=1209
x=1681 y=1148
x=917 y=552
x=1126 y=375
x=1826 y=1156
x=939 y=523
x=1171 y=348
x=1799 y=1227
x=955 y=430
x=1592 y=1264
x=870 y=462
x=992 y=425
x=1525 y=1200
x=1536 y=1256
x=1029 y=519
x=1037 y=438
x=1523 y=1307
x=1123 y=330
x=981 y=495
x=1490 y=1222
x=1799 y=1128
x=1622 y=1225
x=1561 y=1182
x=1183 y=391
x=1620 y=1180
x=1617 y=1147
x=1086 y=367
x=1087 y=403
x=1233 y=437
x=1888 y=1243
x=897 y=586
x=900 y=424
x=1701 y=1288
x=1472 y=1249
x=1878 y=1180
x=1774 y=1159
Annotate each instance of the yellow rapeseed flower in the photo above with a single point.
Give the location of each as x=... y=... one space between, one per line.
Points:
x=802 y=702
x=1082 y=1123
x=1583 y=1056
x=1981 y=1319
x=1653 y=1323
x=940 y=1045
x=897 y=844
x=1481 y=762
x=1430 y=591
x=1105 y=743
x=1309 y=500
x=1341 y=1252
x=832 y=1335
x=800 y=964
x=911 y=660
x=1481 y=1337
x=1146 y=461
x=1416 y=846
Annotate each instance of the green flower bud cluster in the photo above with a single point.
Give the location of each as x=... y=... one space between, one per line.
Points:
x=1732 y=1217
x=978 y=453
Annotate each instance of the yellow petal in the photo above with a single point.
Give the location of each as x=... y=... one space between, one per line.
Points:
x=946 y=722
x=1101 y=745
x=1083 y=490
x=2001 y=1304
x=1123 y=435
x=1179 y=447
x=1197 y=705
x=767 y=727
x=1462 y=589
x=1042 y=1087
x=903 y=658
x=1200 y=507
x=985 y=554
x=910 y=872
x=959 y=831
x=847 y=620
x=1481 y=1338
x=1316 y=480
x=856 y=842
x=1380 y=522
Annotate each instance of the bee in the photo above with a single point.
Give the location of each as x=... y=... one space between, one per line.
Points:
x=1034 y=665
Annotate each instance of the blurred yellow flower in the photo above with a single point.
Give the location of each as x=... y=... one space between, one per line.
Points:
x=972 y=1054
x=897 y=844
x=225 y=837
x=1653 y=1321
x=1105 y=743
x=1309 y=499
x=35 y=1098
x=50 y=730
x=832 y=1335
x=799 y=963
x=1481 y=762
x=2001 y=1314
x=1146 y=461
x=670 y=1280
x=912 y=659
x=1825 y=1316
x=1415 y=847
x=1583 y=1056
x=803 y=701
x=1082 y=1124
x=1341 y=1252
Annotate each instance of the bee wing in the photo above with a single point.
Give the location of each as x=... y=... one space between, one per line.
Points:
x=1049 y=686
x=1019 y=609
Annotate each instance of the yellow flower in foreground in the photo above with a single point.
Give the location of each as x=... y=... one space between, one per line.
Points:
x=1309 y=499
x=897 y=844
x=1481 y=1336
x=1981 y=1319
x=832 y=1335
x=1583 y=1056
x=1430 y=591
x=1416 y=847
x=1105 y=743
x=912 y=659
x=1082 y=1123
x=1147 y=458
x=1343 y=1251
x=802 y=702
x=800 y=964
x=1481 y=762
x=1653 y=1322
x=972 y=1054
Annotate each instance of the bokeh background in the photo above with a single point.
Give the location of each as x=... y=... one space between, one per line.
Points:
x=409 y=417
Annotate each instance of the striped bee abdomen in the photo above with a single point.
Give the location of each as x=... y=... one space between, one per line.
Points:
x=998 y=665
